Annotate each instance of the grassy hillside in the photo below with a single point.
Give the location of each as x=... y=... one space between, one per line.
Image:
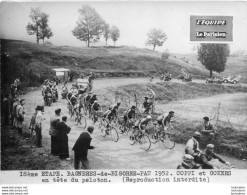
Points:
x=234 y=66
x=25 y=59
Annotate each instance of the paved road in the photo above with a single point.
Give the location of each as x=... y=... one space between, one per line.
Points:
x=108 y=154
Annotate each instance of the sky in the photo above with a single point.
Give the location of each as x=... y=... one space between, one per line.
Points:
x=134 y=20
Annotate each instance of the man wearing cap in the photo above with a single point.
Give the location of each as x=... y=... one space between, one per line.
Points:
x=54 y=120
x=192 y=146
x=208 y=128
x=81 y=147
x=188 y=162
x=20 y=116
x=208 y=155
x=62 y=138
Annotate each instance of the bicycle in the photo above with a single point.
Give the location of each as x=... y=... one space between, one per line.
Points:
x=125 y=128
x=164 y=138
x=138 y=136
x=108 y=129
x=95 y=115
x=80 y=119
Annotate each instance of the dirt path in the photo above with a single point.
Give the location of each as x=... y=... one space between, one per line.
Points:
x=108 y=154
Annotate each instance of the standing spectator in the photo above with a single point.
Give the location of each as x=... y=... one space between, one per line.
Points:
x=20 y=116
x=208 y=128
x=5 y=110
x=17 y=84
x=62 y=136
x=54 y=120
x=38 y=125
x=13 y=114
x=81 y=149
x=13 y=89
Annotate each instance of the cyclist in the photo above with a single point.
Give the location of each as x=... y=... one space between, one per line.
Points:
x=143 y=123
x=208 y=128
x=108 y=116
x=95 y=109
x=192 y=146
x=164 y=120
x=146 y=105
x=73 y=90
x=91 y=101
x=115 y=108
x=130 y=113
x=208 y=155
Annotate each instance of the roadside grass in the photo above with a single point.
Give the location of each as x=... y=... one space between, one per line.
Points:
x=17 y=154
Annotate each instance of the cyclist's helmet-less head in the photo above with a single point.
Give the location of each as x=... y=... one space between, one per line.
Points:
x=149 y=117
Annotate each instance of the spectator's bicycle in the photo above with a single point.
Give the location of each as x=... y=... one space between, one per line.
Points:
x=164 y=138
x=141 y=138
x=108 y=129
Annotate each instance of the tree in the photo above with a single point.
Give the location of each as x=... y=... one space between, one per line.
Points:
x=213 y=56
x=89 y=25
x=45 y=29
x=106 y=32
x=165 y=55
x=156 y=37
x=39 y=26
x=115 y=34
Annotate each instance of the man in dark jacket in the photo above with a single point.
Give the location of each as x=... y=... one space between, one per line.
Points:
x=62 y=137
x=81 y=149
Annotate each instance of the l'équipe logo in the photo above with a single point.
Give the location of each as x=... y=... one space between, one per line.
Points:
x=211 y=28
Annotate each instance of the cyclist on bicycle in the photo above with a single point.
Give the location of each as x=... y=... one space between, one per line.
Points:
x=108 y=116
x=114 y=108
x=141 y=125
x=130 y=113
x=164 y=120
x=91 y=101
x=188 y=163
x=208 y=155
x=95 y=109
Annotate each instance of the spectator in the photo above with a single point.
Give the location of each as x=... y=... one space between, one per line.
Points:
x=54 y=121
x=20 y=116
x=62 y=136
x=188 y=162
x=5 y=110
x=38 y=125
x=81 y=149
x=208 y=128
x=13 y=114
x=192 y=146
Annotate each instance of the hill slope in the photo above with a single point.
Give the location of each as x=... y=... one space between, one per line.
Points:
x=33 y=63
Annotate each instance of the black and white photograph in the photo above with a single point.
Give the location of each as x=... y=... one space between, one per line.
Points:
x=121 y=85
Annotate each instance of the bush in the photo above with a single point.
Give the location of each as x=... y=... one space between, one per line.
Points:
x=165 y=55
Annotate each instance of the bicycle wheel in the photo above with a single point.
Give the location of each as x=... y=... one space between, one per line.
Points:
x=145 y=142
x=153 y=137
x=132 y=138
x=168 y=142
x=81 y=120
x=114 y=134
x=122 y=129
x=103 y=131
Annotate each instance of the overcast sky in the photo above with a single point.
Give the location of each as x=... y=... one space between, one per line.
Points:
x=134 y=19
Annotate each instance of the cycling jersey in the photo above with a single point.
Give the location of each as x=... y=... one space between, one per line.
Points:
x=130 y=113
x=96 y=106
x=88 y=97
x=92 y=99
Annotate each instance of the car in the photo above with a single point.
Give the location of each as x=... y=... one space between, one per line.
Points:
x=235 y=79
x=83 y=85
x=214 y=80
x=231 y=79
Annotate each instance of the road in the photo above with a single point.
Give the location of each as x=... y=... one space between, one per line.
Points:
x=108 y=154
